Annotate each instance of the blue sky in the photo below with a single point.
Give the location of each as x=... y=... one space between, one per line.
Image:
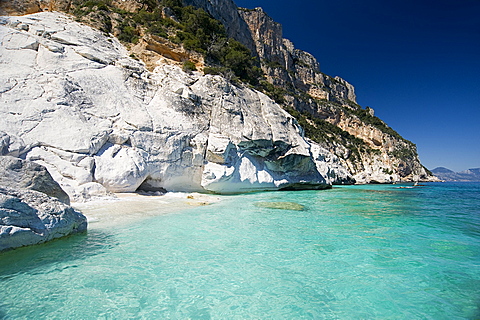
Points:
x=416 y=62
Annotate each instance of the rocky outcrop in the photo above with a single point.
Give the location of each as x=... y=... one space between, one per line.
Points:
x=33 y=207
x=20 y=174
x=385 y=158
x=30 y=217
x=73 y=100
x=365 y=145
x=267 y=37
x=288 y=67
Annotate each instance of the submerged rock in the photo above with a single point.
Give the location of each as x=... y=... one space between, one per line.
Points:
x=283 y=205
x=30 y=217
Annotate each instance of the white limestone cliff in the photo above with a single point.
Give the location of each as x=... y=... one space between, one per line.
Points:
x=73 y=100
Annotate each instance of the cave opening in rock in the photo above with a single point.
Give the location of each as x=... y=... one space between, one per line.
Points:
x=150 y=185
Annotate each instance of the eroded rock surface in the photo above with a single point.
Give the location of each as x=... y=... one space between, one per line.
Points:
x=19 y=174
x=30 y=217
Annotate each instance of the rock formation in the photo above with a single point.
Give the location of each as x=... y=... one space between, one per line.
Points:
x=73 y=100
x=20 y=174
x=30 y=217
x=33 y=207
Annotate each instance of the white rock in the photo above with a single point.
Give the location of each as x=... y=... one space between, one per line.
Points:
x=30 y=217
x=78 y=170
x=329 y=166
x=120 y=169
x=19 y=40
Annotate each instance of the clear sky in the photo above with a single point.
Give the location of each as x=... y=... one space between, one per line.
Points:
x=416 y=62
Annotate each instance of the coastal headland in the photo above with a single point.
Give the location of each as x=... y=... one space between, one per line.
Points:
x=103 y=114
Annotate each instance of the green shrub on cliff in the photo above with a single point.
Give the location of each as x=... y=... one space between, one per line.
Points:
x=406 y=154
x=274 y=92
x=201 y=33
x=326 y=133
x=189 y=66
x=365 y=116
x=198 y=30
x=238 y=58
x=128 y=34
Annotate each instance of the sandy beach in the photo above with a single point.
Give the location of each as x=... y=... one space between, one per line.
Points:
x=126 y=208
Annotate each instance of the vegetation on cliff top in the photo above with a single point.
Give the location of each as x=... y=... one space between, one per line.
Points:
x=367 y=118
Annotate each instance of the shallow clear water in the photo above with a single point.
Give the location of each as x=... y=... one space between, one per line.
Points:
x=356 y=252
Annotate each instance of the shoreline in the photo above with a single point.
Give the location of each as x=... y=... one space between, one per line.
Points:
x=125 y=208
x=131 y=207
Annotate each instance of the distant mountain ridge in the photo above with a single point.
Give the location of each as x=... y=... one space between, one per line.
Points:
x=470 y=175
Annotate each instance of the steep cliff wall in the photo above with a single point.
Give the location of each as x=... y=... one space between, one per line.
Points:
x=368 y=147
x=288 y=67
x=226 y=12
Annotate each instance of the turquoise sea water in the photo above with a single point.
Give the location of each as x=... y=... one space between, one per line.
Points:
x=354 y=252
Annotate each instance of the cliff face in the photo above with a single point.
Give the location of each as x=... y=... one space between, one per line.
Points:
x=381 y=155
x=225 y=11
x=286 y=66
x=73 y=100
